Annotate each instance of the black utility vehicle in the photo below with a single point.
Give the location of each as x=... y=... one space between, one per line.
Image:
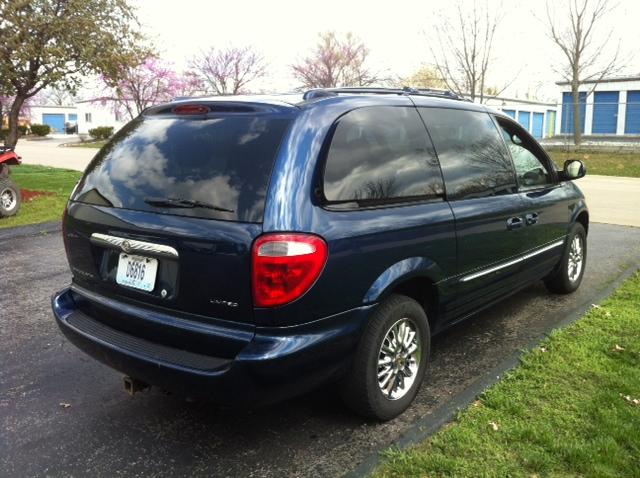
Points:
x=248 y=249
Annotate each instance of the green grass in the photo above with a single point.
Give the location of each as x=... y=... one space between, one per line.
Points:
x=42 y=208
x=88 y=144
x=562 y=412
x=606 y=164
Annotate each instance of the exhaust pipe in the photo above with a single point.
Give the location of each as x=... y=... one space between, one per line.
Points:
x=133 y=385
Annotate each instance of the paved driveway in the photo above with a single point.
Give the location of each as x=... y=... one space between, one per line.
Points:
x=49 y=153
x=612 y=200
x=64 y=414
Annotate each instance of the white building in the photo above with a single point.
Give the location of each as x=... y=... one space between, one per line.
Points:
x=94 y=113
x=57 y=117
x=539 y=118
x=86 y=114
x=610 y=107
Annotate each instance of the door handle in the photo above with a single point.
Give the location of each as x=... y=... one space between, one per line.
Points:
x=531 y=218
x=514 y=223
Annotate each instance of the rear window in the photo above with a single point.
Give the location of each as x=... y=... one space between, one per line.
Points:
x=223 y=163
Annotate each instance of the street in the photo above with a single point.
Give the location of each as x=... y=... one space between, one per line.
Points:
x=64 y=414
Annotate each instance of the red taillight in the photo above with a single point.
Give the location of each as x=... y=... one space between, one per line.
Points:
x=285 y=266
x=191 y=110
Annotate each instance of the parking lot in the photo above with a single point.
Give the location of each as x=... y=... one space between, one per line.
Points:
x=64 y=414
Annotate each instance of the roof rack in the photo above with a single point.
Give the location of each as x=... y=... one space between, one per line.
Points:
x=326 y=92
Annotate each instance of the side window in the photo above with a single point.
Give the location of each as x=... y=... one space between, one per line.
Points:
x=381 y=153
x=474 y=160
x=531 y=168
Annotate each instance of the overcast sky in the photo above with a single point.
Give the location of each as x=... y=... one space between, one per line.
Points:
x=394 y=32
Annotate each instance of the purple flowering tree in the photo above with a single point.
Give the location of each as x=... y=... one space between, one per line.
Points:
x=149 y=83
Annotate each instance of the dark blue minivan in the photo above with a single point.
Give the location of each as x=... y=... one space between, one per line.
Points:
x=248 y=249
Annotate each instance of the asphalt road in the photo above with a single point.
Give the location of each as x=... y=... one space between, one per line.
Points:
x=64 y=414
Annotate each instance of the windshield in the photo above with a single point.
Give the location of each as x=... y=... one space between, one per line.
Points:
x=223 y=162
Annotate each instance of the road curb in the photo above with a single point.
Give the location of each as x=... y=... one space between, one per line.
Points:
x=30 y=230
x=430 y=424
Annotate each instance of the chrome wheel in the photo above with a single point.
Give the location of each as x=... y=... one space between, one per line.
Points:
x=399 y=359
x=576 y=258
x=8 y=199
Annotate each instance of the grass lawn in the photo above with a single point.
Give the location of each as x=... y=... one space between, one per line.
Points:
x=572 y=408
x=89 y=144
x=42 y=208
x=606 y=164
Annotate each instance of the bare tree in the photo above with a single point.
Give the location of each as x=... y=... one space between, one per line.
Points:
x=462 y=48
x=59 y=96
x=585 y=61
x=336 y=61
x=228 y=71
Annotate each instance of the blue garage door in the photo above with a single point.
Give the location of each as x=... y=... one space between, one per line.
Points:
x=511 y=113
x=55 y=121
x=523 y=119
x=538 y=124
x=605 y=112
x=566 y=126
x=632 y=121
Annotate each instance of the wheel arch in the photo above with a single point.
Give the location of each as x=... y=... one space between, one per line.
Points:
x=583 y=218
x=414 y=277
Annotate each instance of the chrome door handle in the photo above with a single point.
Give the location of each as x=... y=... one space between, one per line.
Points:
x=514 y=223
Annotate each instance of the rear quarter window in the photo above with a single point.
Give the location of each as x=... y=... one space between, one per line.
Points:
x=223 y=161
x=379 y=154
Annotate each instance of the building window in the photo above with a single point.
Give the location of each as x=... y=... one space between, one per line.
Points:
x=87 y=117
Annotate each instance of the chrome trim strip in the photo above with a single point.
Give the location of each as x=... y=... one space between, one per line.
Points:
x=512 y=262
x=131 y=245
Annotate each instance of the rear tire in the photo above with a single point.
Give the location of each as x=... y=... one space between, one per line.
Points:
x=390 y=361
x=10 y=198
x=568 y=275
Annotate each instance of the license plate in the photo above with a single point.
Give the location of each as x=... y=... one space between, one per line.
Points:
x=137 y=271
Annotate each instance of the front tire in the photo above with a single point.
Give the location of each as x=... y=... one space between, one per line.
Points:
x=390 y=361
x=568 y=276
x=10 y=198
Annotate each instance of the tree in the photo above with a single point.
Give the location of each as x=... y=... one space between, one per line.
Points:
x=585 y=60
x=228 y=71
x=54 y=43
x=58 y=96
x=462 y=48
x=424 y=77
x=335 y=61
x=138 y=87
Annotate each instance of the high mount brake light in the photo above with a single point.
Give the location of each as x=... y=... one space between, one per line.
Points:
x=285 y=266
x=191 y=110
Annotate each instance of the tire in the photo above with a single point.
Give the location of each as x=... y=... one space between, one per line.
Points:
x=361 y=390
x=10 y=198
x=568 y=275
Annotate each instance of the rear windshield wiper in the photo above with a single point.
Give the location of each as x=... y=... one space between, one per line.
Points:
x=184 y=203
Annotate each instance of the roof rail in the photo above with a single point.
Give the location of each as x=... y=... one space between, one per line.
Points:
x=406 y=90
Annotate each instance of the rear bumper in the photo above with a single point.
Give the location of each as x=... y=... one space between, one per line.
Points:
x=277 y=363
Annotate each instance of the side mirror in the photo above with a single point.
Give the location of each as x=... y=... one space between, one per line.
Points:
x=573 y=169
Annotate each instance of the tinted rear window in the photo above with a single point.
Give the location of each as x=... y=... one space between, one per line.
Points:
x=474 y=160
x=381 y=153
x=224 y=161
